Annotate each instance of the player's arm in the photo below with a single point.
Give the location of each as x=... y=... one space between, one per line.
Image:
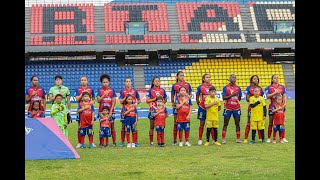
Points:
x=172 y=95
x=253 y=104
x=55 y=109
x=179 y=105
x=81 y=109
x=248 y=93
x=264 y=111
x=224 y=94
x=92 y=118
x=51 y=97
x=101 y=96
x=284 y=97
x=189 y=115
x=190 y=90
x=28 y=98
x=68 y=102
x=78 y=96
x=198 y=95
x=44 y=101
x=240 y=94
x=269 y=94
x=138 y=97
x=164 y=96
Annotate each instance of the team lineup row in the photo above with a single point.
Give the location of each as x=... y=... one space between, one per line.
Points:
x=208 y=107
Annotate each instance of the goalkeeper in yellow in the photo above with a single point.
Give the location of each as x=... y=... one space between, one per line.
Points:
x=213 y=106
x=258 y=114
x=59 y=114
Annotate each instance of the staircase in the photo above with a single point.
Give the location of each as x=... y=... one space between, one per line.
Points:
x=138 y=77
x=173 y=24
x=288 y=76
x=99 y=25
x=247 y=23
x=27 y=25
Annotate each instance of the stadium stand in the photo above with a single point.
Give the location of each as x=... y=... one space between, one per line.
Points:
x=71 y=71
x=294 y=69
x=268 y=17
x=219 y=69
x=152 y=17
x=47 y=20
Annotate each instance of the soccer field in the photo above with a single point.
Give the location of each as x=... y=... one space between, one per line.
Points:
x=228 y=161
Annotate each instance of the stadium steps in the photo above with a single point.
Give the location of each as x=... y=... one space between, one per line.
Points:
x=173 y=24
x=27 y=17
x=99 y=24
x=288 y=76
x=247 y=23
x=138 y=77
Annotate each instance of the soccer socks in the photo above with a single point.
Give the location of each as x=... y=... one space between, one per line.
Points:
x=274 y=135
x=261 y=134
x=134 y=137
x=101 y=141
x=212 y=133
x=113 y=134
x=247 y=130
x=107 y=140
x=151 y=135
x=208 y=133
x=159 y=137
x=269 y=130
x=123 y=132
x=186 y=135
x=82 y=139
x=254 y=134
x=281 y=135
x=162 y=138
x=79 y=136
x=200 y=131
x=90 y=139
x=180 y=136
x=175 y=131
x=128 y=137
x=238 y=134
x=215 y=133
x=224 y=134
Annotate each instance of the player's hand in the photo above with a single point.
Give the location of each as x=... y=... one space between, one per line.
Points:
x=277 y=91
x=34 y=93
x=215 y=102
x=106 y=92
x=234 y=94
x=264 y=118
x=62 y=93
x=135 y=124
x=188 y=118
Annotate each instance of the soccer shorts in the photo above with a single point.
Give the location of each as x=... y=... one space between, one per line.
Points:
x=202 y=113
x=254 y=125
x=212 y=123
x=183 y=126
x=160 y=128
x=86 y=131
x=104 y=132
x=174 y=111
x=236 y=113
x=279 y=127
x=151 y=118
x=129 y=123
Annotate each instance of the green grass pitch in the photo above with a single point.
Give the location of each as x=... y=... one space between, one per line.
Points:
x=228 y=161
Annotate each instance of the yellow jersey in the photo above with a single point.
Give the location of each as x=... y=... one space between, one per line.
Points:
x=257 y=112
x=212 y=112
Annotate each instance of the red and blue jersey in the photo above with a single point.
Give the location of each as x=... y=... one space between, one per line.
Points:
x=105 y=121
x=203 y=90
x=124 y=93
x=184 y=110
x=88 y=89
x=160 y=119
x=126 y=107
x=153 y=93
x=272 y=88
x=233 y=102
x=250 y=92
x=86 y=115
x=36 y=114
x=175 y=87
x=107 y=100
x=41 y=94
x=278 y=116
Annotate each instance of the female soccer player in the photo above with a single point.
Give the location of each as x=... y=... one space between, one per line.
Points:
x=184 y=109
x=275 y=89
x=278 y=118
x=83 y=88
x=36 y=93
x=130 y=114
x=254 y=82
x=201 y=94
x=136 y=100
x=107 y=97
x=231 y=94
x=174 y=94
x=152 y=95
